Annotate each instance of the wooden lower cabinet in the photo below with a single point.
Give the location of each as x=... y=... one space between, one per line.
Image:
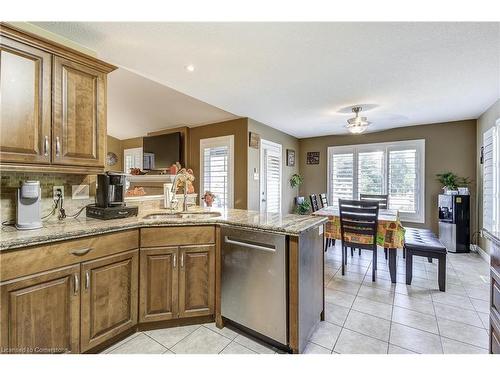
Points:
x=108 y=298
x=177 y=282
x=158 y=284
x=41 y=313
x=196 y=280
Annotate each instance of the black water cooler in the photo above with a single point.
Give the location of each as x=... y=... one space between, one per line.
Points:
x=454 y=222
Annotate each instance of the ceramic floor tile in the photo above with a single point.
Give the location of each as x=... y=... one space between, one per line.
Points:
x=456 y=347
x=480 y=305
x=168 y=337
x=416 y=304
x=368 y=306
x=463 y=333
x=368 y=325
x=235 y=348
x=415 y=340
x=339 y=298
x=253 y=344
x=479 y=292
x=485 y=319
x=453 y=300
x=201 y=341
x=412 y=291
x=335 y=314
x=140 y=344
x=226 y=331
x=393 y=349
x=458 y=315
x=350 y=276
x=379 y=283
x=120 y=343
x=351 y=342
x=312 y=348
x=414 y=319
x=344 y=286
x=325 y=334
x=379 y=295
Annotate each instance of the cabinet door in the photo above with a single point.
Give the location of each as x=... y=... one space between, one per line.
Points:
x=109 y=297
x=196 y=280
x=158 y=284
x=25 y=105
x=79 y=106
x=41 y=314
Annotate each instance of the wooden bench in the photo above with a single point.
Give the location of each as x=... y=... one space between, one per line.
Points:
x=424 y=243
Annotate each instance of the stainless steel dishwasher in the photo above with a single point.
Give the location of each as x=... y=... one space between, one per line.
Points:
x=254 y=281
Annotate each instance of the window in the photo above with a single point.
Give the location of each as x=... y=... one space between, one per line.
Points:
x=132 y=158
x=491 y=178
x=270 y=188
x=216 y=172
x=393 y=168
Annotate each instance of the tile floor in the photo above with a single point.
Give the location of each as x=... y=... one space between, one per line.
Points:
x=362 y=316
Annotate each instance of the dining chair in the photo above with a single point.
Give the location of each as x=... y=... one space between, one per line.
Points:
x=358 y=219
x=314 y=202
x=323 y=200
x=383 y=202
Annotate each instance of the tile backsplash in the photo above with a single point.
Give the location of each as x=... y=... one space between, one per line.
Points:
x=10 y=181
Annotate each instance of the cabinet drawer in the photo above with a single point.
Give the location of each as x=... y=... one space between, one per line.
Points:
x=495 y=332
x=177 y=236
x=30 y=260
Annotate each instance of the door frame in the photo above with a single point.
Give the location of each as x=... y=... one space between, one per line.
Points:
x=263 y=147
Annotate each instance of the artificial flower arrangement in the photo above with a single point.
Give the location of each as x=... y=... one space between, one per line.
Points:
x=209 y=198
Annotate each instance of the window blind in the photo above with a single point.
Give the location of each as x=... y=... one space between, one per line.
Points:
x=272 y=170
x=490 y=180
x=216 y=174
x=402 y=180
x=342 y=177
x=371 y=172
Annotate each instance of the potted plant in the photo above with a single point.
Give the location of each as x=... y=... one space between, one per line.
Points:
x=303 y=208
x=451 y=182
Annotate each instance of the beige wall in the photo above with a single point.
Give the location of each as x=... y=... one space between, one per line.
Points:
x=448 y=146
x=484 y=122
x=287 y=142
x=238 y=128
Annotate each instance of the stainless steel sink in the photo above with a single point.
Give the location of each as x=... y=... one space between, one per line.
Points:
x=182 y=215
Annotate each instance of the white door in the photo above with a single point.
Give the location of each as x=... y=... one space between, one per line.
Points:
x=270 y=182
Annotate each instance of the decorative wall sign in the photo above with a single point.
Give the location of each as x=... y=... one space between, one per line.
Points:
x=254 y=140
x=312 y=157
x=290 y=158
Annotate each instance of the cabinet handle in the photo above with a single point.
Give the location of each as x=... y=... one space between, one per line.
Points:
x=175 y=260
x=46 y=146
x=58 y=146
x=182 y=260
x=77 y=284
x=87 y=280
x=81 y=251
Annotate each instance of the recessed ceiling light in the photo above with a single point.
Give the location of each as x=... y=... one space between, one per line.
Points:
x=190 y=68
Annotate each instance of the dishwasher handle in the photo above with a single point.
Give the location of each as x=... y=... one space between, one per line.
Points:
x=249 y=245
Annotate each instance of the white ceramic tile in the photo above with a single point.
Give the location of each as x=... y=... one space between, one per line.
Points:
x=463 y=333
x=417 y=304
x=253 y=344
x=456 y=347
x=368 y=306
x=379 y=295
x=325 y=334
x=415 y=319
x=168 y=337
x=480 y=305
x=415 y=340
x=335 y=314
x=201 y=341
x=368 y=325
x=351 y=342
x=312 y=348
x=458 y=315
x=140 y=344
x=344 y=286
x=226 y=331
x=393 y=349
x=339 y=298
x=453 y=300
x=235 y=348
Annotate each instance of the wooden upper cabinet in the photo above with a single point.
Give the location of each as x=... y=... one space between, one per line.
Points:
x=25 y=107
x=158 y=284
x=196 y=280
x=41 y=314
x=109 y=297
x=79 y=110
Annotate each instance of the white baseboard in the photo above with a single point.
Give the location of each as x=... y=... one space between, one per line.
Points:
x=483 y=254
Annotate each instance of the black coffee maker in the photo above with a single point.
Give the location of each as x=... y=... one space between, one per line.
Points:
x=110 y=198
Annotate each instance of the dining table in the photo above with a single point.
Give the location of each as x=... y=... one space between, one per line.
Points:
x=390 y=232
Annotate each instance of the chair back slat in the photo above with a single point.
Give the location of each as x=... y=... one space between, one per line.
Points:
x=323 y=200
x=381 y=199
x=314 y=202
x=359 y=218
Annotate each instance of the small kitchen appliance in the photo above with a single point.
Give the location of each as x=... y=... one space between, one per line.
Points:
x=110 y=198
x=28 y=214
x=454 y=222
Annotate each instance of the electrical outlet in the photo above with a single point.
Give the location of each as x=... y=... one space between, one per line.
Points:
x=55 y=191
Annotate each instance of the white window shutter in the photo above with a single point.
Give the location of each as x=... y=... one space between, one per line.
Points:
x=342 y=177
x=403 y=180
x=216 y=174
x=371 y=172
x=272 y=169
x=490 y=179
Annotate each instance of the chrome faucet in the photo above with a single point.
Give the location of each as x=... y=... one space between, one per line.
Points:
x=174 y=200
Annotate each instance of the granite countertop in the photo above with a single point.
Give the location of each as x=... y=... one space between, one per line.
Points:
x=54 y=230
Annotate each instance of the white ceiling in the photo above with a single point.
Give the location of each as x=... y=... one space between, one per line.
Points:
x=137 y=105
x=298 y=77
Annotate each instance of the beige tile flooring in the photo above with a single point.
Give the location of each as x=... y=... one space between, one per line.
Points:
x=364 y=317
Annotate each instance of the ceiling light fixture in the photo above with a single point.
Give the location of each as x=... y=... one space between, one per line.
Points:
x=357 y=124
x=190 y=68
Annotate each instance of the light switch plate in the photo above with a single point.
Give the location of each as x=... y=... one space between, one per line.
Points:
x=80 y=191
